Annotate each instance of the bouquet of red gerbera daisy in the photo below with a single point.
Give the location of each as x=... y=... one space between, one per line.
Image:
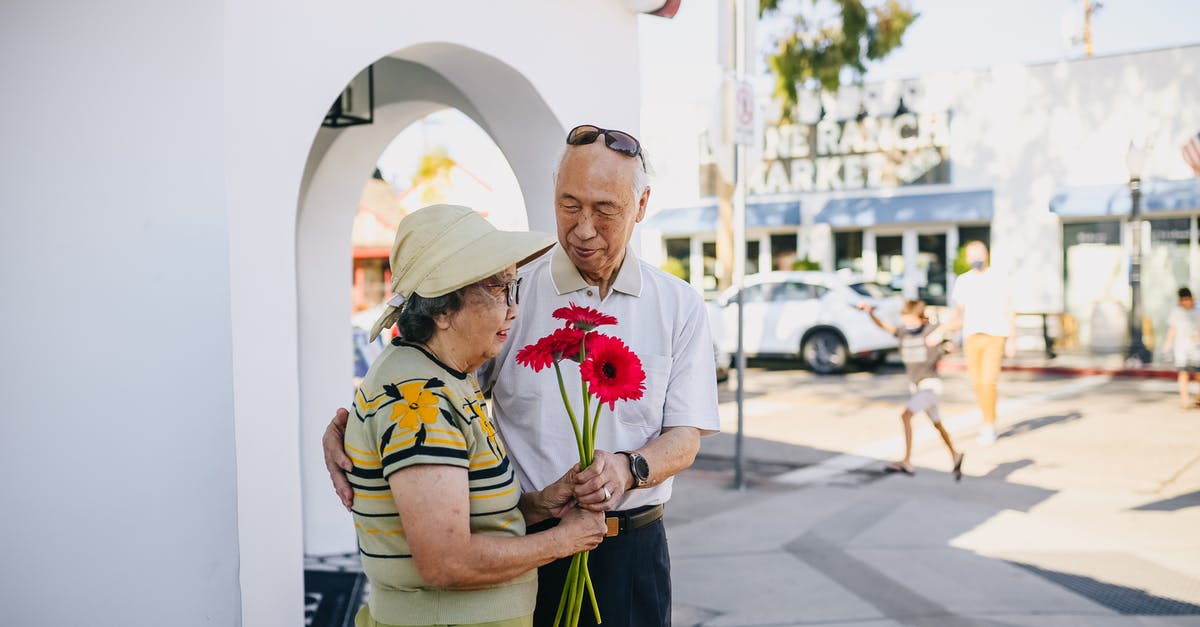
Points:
x=608 y=372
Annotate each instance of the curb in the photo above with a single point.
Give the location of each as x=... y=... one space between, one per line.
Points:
x=1071 y=371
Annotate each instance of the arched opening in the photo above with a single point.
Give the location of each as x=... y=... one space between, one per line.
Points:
x=409 y=85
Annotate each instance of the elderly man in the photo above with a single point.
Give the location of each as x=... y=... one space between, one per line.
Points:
x=601 y=191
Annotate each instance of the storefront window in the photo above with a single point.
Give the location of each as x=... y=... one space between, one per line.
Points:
x=783 y=250
x=848 y=251
x=709 y=250
x=889 y=250
x=679 y=254
x=931 y=268
x=1165 y=269
x=1096 y=286
x=752 y=249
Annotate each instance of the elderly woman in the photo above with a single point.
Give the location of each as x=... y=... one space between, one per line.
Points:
x=439 y=515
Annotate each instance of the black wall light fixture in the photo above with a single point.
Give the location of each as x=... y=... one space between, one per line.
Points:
x=356 y=104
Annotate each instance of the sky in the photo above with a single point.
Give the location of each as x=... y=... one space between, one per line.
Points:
x=679 y=65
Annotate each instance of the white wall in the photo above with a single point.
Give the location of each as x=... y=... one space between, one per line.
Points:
x=119 y=498
x=154 y=161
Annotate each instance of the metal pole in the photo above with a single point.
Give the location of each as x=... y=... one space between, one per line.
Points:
x=1138 y=355
x=739 y=246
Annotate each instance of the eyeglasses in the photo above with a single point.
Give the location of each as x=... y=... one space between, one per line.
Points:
x=619 y=141
x=512 y=290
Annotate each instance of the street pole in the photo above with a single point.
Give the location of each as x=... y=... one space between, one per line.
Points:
x=1138 y=354
x=739 y=246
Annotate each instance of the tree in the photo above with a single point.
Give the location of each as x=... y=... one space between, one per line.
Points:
x=817 y=50
x=434 y=170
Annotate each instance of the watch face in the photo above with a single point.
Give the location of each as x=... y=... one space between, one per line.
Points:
x=640 y=467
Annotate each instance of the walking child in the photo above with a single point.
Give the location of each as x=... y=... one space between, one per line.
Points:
x=921 y=347
x=1182 y=336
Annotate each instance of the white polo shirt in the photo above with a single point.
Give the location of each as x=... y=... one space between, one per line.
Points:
x=986 y=299
x=659 y=317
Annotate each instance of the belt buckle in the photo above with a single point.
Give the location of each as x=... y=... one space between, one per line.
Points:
x=614 y=526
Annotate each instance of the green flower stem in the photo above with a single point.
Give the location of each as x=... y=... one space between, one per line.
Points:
x=588 y=444
x=574 y=602
x=562 y=388
x=595 y=424
x=587 y=579
x=564 y=599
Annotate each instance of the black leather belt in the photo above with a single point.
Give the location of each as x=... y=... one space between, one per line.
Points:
x=630 y=519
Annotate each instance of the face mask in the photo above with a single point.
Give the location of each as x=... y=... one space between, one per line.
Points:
x=978 y=265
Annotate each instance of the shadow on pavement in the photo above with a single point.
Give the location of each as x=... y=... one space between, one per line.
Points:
x=1033 y=424
x=1175 y=503
x=860 y=548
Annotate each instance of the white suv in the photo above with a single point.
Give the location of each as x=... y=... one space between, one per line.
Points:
x=809 y=315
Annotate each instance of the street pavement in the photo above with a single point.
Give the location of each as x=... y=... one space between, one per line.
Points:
x=1086 y=511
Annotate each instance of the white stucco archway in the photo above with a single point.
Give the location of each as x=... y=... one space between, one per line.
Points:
x=409 y=84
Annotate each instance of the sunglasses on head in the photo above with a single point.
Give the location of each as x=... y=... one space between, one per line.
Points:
x=619 y=141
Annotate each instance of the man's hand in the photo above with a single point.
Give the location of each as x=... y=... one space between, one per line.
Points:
x=600 y=487
x=336 y=461
x=865 y=306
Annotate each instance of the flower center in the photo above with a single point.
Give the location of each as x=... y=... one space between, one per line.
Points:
x=413 y=406
x=609 y=370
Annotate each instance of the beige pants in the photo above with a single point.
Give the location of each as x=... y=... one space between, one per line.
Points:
x=984 y=354
x=364 y=619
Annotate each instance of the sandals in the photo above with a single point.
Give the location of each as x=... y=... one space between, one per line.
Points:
x=898 y=467
x=957 y=472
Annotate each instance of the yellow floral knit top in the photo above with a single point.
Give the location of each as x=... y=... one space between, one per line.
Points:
x=412 y=409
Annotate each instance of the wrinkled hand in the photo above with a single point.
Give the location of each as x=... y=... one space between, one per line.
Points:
x=336 y=461
x=608 y=471
x=582 y=530
x=558 y=497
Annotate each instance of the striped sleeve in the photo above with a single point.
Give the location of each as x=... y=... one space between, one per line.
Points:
x=416 y=422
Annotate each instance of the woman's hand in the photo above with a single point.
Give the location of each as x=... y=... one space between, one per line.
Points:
x=552 y=501
x=580 y=530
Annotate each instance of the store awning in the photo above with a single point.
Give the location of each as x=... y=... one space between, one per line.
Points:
x=973 y=206
x=703 y=219
x=1094 y=201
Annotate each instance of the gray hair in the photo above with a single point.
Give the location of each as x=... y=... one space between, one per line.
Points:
x=641 y=175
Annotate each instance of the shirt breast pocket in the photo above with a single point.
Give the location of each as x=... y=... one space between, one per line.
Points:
x=646 y=413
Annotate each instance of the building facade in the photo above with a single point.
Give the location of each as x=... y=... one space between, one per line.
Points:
x=891 y=179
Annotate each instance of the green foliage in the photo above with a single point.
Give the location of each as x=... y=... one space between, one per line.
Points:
x=815 y=52
x=433 y=164
x=675 y=266
x=960 y=261
x=805 y=264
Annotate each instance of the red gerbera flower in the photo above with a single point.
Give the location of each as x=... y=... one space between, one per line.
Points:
x=612 y=371
x=583 y=318
x=562 y=343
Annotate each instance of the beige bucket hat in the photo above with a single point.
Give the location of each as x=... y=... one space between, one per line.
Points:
x=441 y=248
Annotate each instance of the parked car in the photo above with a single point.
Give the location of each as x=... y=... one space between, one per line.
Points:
x=810 y=316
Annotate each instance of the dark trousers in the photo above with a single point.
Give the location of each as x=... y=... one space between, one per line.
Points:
x=632 y=577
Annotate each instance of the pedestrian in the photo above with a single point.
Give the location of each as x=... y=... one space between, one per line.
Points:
x=600 y=194
x=439 y=519
x=983 y=311
x=922 y=346
x=1183 y=341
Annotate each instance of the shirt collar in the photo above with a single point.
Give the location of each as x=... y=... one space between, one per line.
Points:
x=567 y=279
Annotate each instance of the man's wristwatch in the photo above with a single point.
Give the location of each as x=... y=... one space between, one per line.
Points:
x=638 y=468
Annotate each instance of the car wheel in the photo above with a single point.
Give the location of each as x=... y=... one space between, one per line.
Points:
x=825 y=352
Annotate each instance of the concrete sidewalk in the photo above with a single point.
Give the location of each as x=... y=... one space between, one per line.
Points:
x=1083 y=513
x=1072 y=364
